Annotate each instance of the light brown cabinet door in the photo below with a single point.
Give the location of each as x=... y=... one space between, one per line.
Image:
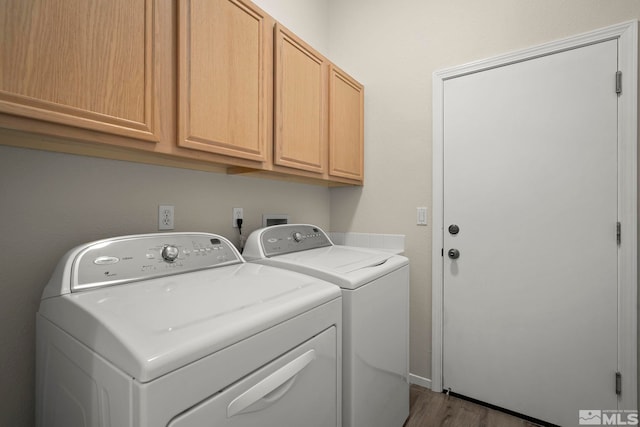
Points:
x=300 y=94
x=82 y=63
x=346 y=126
x=224 y=77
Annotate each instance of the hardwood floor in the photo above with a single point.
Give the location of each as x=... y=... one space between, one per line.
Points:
x=430 y=409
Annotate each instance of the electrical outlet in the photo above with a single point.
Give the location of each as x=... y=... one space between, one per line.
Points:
x=165 y=217
x=237 y=214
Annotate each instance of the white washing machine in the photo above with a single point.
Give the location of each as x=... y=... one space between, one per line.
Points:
x=375 y=297
x=178 y=330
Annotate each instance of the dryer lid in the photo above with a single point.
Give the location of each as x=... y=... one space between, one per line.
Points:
x=152 y=327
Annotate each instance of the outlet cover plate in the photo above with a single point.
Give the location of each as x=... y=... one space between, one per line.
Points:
x=165 y=217
x=238 y=213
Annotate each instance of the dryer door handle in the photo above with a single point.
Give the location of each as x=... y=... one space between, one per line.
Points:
x=270 y=389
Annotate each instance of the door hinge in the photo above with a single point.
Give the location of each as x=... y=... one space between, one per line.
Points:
x=618 y=82
x=618 y=232
x=618 y=383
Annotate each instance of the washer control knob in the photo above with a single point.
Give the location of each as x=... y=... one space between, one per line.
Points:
x=298 y=237
x=170 y=253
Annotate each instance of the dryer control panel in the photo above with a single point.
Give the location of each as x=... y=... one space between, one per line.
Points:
x=133 y=258
x=282 y=239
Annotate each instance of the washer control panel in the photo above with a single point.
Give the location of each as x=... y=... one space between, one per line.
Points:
x=131 y=258
x=282 y=239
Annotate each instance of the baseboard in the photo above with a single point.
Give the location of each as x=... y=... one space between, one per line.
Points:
x=421 y=381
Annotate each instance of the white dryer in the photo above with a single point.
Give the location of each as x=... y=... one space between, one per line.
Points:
x=375 y=297
x=177 y=330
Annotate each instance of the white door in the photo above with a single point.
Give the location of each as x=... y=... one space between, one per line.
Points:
x=530 y=180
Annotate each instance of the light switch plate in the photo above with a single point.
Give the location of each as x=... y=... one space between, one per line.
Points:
x=421 y=216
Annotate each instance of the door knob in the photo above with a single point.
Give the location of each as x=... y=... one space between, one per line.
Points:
x=453 y=253
x=454 y=229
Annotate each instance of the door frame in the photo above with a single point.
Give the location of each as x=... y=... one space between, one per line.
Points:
x=627 y=36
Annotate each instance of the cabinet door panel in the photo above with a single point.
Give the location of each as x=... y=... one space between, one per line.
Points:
x=300 y=104
x=223 y=78
x=82 y=63
x=346 y=126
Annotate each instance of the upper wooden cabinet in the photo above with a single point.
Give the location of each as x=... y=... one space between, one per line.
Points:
x=86 y=64
x=346 y=126
x=204 y=84
x=300 y=96
x=224 y=78
x=319 y=113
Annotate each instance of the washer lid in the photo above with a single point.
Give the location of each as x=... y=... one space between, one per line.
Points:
x=152 y=327
x=347 y=266
x=338 y=259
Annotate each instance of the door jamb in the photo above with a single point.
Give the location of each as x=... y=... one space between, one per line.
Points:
x=627 y=36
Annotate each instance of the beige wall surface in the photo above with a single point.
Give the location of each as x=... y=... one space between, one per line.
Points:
x=50 y=202
x=393 y=48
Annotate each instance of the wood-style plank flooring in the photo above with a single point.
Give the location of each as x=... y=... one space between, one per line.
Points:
x=431 y=409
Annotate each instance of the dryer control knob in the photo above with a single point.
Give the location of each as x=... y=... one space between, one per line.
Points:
x=170 y=253
x=298 y=236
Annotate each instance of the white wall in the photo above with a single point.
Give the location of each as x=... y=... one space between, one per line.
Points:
x=393 y=49
x=309 y=19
